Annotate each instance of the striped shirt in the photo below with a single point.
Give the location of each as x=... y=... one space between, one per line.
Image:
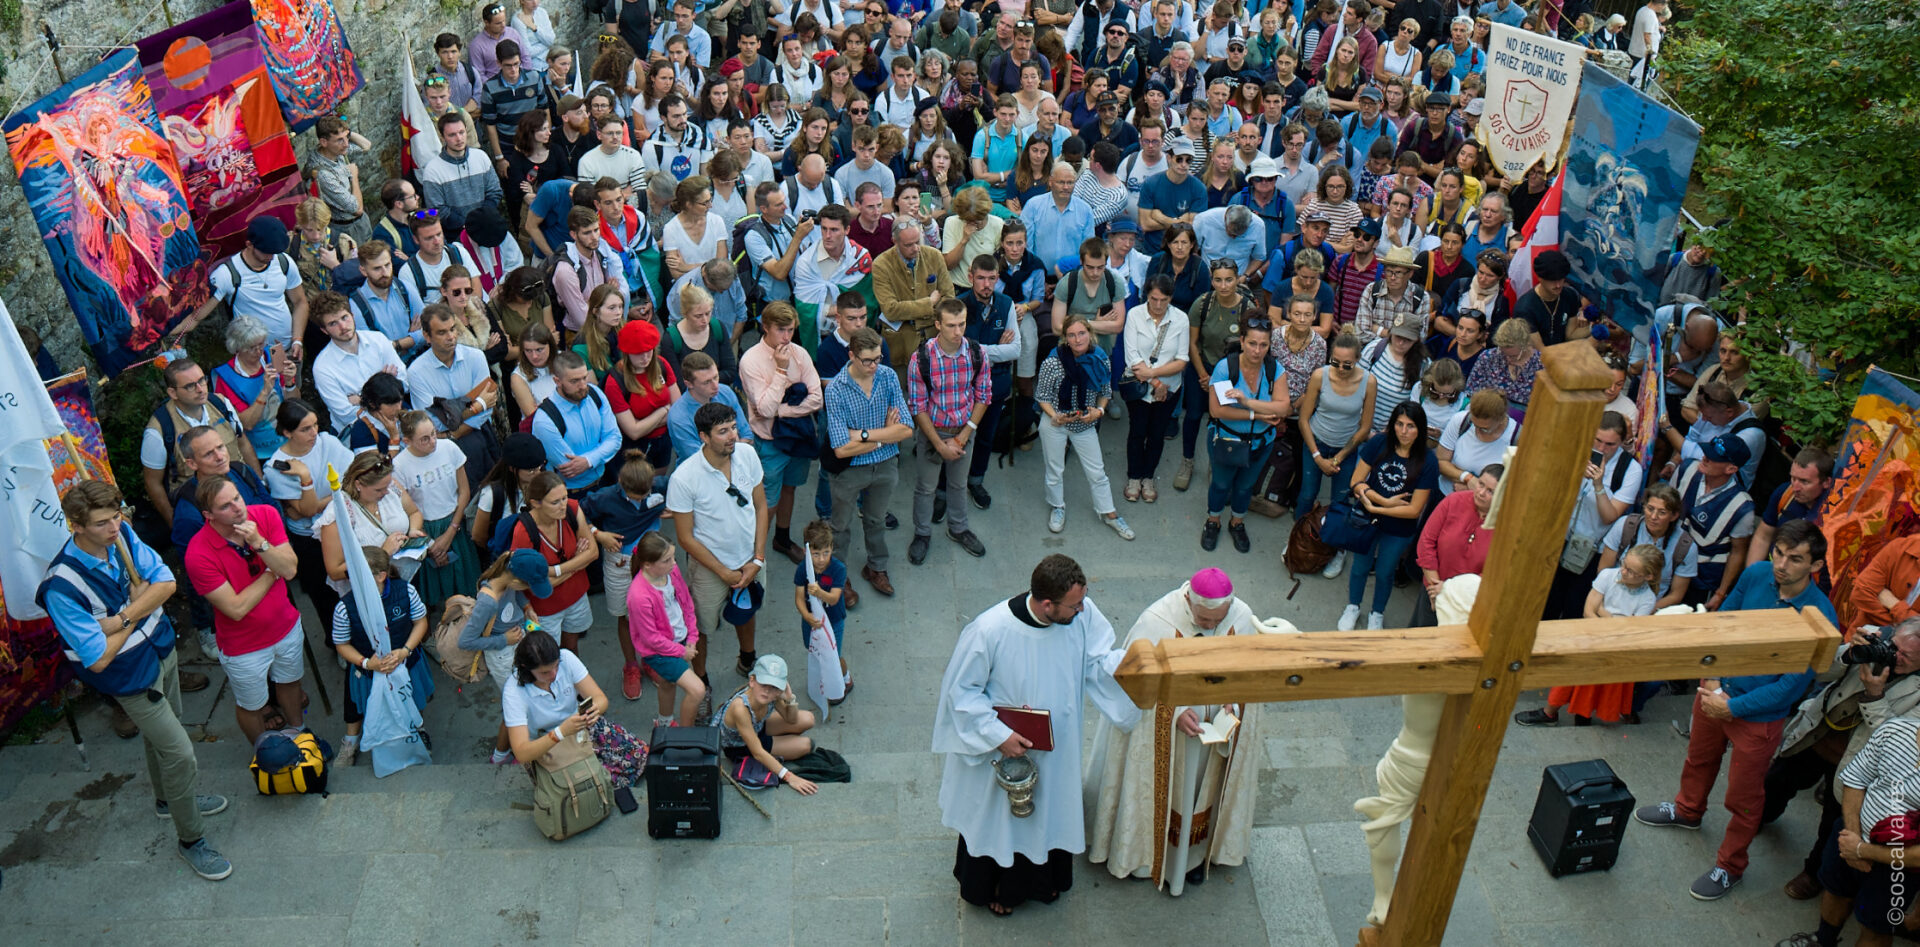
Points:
x=1049 y=388
x=951 y=401
x=850 y=408
x=1888 y=771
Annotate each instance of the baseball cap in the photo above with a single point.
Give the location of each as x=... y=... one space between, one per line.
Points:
x=1477 y=107
x=529 y=566
x=1370 y=227
x=1181 y=146
x=1727 y=449
x=1105 y=99
x=267 y=234
x=741 y=605
x=1236 y=41
x=275 y=751
x=639 y=336
x=771 y=670
x=1372 y=92
x=1406 y=327
x=1318 y=217
x=1263 y=167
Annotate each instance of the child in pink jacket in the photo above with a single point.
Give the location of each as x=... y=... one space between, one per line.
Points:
x=664 y=627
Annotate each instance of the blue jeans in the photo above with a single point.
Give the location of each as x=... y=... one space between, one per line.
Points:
x=1381 y=560
x=1311 y=476
x=1234 y=485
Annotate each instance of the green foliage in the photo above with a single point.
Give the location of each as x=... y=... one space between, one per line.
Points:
x=1810 y=121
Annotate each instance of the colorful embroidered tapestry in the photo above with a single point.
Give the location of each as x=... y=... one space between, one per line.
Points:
x=312 y=66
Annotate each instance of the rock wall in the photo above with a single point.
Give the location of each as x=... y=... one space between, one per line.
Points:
x=375 y=29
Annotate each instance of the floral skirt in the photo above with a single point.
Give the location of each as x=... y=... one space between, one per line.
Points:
x=461 y=574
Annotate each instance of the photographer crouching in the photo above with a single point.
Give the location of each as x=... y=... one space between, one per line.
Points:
x=1824 y=736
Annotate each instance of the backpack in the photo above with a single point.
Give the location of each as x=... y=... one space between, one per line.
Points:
x=1631 y=528
x=1306 y=553
x=169 y=434
x=572 y=791
x=974 y=351
x=552 y=412
x=233 y=272
x=1774 y=468
x=458 y=663
x=502 y=538
x=458 y=258
x=756 y=294
x=309 y=775
x=1109 y=282
x=826 y=184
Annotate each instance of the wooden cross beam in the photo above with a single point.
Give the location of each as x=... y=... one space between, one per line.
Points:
x=1483 y=665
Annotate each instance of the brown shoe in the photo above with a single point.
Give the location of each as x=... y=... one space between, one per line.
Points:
x=1803 y=887
x=123 y=725
x=853 y=597
x=878 y=580
x=191 y=681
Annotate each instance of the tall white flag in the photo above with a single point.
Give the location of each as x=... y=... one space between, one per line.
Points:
x=1531 y=84
x=32 y=528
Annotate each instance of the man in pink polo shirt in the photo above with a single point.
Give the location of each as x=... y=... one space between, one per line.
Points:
x=240 y=562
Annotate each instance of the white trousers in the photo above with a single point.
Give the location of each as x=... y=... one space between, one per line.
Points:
x=1054 y=439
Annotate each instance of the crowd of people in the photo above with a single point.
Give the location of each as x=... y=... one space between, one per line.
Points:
x=649 y=286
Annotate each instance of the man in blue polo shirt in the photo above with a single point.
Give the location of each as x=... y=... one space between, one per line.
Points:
x=1746 y=713
x=118 y=639
x=996 y=148
x=587 y=436
x=1170 y=197
x=451 y=370
x=702 y=379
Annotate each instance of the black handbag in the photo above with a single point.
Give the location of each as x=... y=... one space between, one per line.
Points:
x=1228 y=450
x=1348 y=526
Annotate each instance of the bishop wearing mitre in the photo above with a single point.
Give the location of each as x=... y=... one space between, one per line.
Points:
x=1176 y=795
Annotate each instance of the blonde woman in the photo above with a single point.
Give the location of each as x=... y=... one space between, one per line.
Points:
x=1400 y=57
x=607 y=311
x=971 y=231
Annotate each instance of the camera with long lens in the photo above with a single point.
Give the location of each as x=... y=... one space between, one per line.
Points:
x=1876 y=651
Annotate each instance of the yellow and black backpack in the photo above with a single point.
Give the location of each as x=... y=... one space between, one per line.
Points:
x=287 y=762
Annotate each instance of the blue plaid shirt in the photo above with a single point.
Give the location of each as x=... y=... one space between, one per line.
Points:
x=851 y=409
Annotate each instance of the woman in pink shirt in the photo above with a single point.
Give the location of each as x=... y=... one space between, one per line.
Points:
x=1453 y=542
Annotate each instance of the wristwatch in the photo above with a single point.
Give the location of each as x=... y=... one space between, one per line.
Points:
x=864 y=435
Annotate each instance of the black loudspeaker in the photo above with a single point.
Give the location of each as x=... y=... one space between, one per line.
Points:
x=683 y=782
x=1579 y=818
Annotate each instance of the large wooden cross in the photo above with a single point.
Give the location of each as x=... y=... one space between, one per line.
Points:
x=1484 y=665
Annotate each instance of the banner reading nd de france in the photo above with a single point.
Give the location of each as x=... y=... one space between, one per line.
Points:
x=1531 y=83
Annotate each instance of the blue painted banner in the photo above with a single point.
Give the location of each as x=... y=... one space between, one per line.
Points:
x=1626 y=176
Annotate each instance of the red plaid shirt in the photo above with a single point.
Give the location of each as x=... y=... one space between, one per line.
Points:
x=956 y=386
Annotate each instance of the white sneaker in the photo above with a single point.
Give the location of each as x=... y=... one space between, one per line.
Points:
x=1376 y=621
x=1349 y=618
x=1332 y=571
x=1057 y=520
x=1119 y=524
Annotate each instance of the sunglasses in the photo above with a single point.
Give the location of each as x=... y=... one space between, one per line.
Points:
x=427 y=214
x=1344 y=366
x=460 y=292
x=858 y=111
x=434 y=81
x=739 y=499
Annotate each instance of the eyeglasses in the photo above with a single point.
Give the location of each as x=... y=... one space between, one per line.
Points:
x=428 y=214
x=869 y=362
x=858 y=111
x=191 y=385
x=739 y=499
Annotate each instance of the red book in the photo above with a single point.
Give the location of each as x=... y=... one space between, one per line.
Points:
x=1035 y=725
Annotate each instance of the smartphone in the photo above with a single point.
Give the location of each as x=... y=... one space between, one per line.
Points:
x=623 y=797
x=927 y=202
x=586 y=704
x=1595 y=458
x=282 y=465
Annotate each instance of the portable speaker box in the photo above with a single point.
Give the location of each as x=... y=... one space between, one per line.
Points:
x=1579 y=817
x=683 y=782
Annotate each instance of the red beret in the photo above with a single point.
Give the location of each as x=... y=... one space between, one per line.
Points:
x=639 y=336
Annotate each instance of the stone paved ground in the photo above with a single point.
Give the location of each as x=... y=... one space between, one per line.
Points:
x=439 y=855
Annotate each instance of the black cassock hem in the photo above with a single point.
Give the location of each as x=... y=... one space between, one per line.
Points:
x=983 y=880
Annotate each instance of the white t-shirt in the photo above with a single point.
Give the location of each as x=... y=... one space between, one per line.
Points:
x=432 y=481
x=1470 y=452
x=261 y=294
x=1135 y=171
x=153 y=449
x=327 y=449
x=360 y=529
x=1644 y=22
x=720 y=522
x=676 y=616
x=540 y=709
x=1623 y=601
x=674 y=237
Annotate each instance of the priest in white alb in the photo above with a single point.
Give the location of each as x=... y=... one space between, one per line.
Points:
x=1176 y=796
x=1039 y=656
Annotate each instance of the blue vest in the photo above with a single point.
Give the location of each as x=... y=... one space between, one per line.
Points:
x=986 y=321
x=1710 y=522
x=393 y=601
x=137 y=666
